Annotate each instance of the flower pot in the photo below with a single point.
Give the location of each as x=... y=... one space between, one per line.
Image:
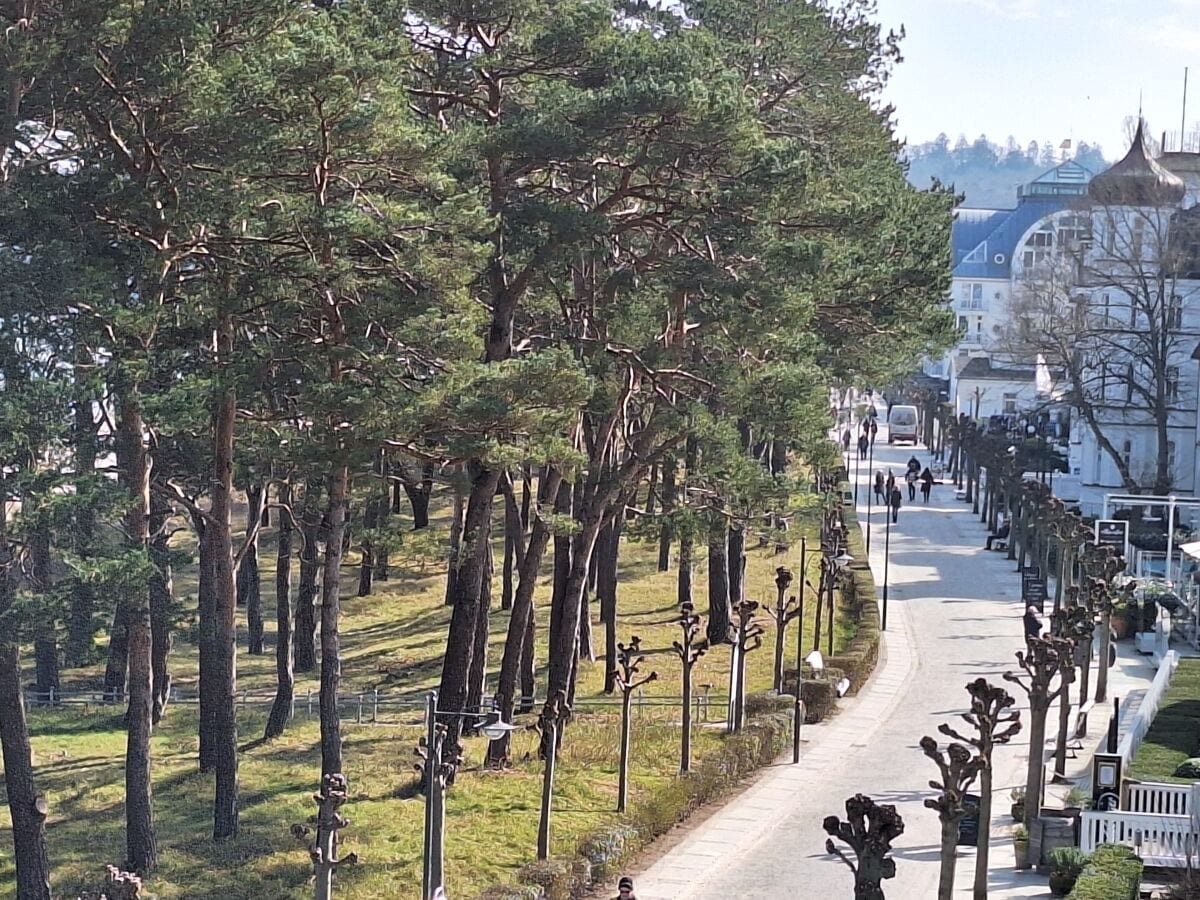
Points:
x=1061 y=883
x=1021 y=853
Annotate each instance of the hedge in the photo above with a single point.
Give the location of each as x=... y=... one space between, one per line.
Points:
x=1111 y=873
x=860 y=603
x=603 y=852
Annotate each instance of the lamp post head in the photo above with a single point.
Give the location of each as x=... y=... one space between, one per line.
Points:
x=843 y=559
x=494 y=729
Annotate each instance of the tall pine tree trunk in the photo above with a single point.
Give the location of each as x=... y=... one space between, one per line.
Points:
x=668 y=504
x=331 y=649
x=285 y=679
x=162 y=602
x=456 y=540
x=304 y=640
x=81 y=628
x=116 y=666
x=519 y=623
x=27 y=809
x=140 y=846
x=45 y=642
x=607 y=550
x=249 y=588
x=720 y=614
x=223 y=672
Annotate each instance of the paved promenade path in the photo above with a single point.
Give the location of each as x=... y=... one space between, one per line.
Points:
x=955 y=614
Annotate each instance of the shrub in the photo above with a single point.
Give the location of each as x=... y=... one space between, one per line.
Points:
x=513 y=892
x=606 y=847
x=1112 y=873
x=558 y=879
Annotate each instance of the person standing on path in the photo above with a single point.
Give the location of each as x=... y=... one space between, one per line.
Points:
x=625 y=889
x=891 y=483
x=874 y=430
x=895 y=504
x=910 y=478
x=879 y=495
x=926 y=485
x=846 y=439
x=1033 y=623
x=863 y=442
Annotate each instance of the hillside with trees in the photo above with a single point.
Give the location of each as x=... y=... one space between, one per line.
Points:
x=987 y=173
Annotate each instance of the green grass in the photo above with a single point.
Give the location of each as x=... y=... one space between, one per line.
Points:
x=394 y=641
x=1175 y=733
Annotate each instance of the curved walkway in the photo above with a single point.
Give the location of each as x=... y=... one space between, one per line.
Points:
x=954 y=615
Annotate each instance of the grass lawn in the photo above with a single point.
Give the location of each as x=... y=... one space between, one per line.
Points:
x=393 y=641
x=1175 y=733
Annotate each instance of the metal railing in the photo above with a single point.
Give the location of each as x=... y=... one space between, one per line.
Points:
x=364 y=706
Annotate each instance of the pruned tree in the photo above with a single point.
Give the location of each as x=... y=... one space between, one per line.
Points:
x=995 y=722
x=868 y=831
x=689 y=649
x=629 y=660
x=959 y=768
x=1041 y=667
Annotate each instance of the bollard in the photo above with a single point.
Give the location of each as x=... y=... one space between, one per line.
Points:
x=358 y=711
x=375 y=705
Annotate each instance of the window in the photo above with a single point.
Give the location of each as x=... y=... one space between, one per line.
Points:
x=972 y=296
x=1074 y=232
x=1175 y=313
x=962 y=324
x=1010 y=403
x=1139 y=237
x=1127 y=451
x=1104 y=310
x=1172 y=384
x=1170 y=456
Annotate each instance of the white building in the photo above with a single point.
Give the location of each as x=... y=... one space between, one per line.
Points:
x=1140 y=282
x=993 y=249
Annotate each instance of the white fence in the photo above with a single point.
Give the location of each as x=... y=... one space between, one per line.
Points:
x=1128 y=747
x=1166 y=841
x=1158 y=799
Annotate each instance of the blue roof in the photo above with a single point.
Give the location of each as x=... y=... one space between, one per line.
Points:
x=980 y=235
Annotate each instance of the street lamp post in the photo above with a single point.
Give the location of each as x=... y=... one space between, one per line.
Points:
x=871 y=492
x=798 y=714
x=887 y=541
x=436 y=770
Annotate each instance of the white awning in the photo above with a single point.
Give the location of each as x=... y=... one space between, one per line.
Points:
x=1192 y=549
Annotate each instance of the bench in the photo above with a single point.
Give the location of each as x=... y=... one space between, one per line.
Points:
x=1000 y=544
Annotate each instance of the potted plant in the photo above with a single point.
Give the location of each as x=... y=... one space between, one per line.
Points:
x=1077 y=800
x=1066 y=864
x=1020 y=836
x=1018 y=804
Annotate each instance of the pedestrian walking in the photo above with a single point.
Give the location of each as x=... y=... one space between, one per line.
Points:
x=926 y=484
x=625 y=889
x=863 y=443
x=846 y=440
x=889 y=486
x=874 y=430
x=895 y=504
x=879 y=495
x=1033 y=623
x=910 y=478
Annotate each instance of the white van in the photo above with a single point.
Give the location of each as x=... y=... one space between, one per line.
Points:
x=902 y=424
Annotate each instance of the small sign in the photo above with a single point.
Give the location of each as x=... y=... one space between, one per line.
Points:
x=968 y=826
x=1033 y=588
x=1113 y=533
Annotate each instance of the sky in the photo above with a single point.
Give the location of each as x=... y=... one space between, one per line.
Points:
x=1044 y=70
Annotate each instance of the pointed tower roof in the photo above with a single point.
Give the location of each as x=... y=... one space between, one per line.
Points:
x=1137 y=180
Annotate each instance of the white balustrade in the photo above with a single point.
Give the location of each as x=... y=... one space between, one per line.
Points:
x=1159 y=799
x=1166 y=841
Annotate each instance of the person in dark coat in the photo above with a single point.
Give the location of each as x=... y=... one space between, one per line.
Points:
x=1033 y=623
x=625 y=889
x=874 y=431
x=891 y=483
x=895 y=504
x=879 y=495
x=910 y=478
x=846 y=440
x=926 y=484
x=863 y=444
